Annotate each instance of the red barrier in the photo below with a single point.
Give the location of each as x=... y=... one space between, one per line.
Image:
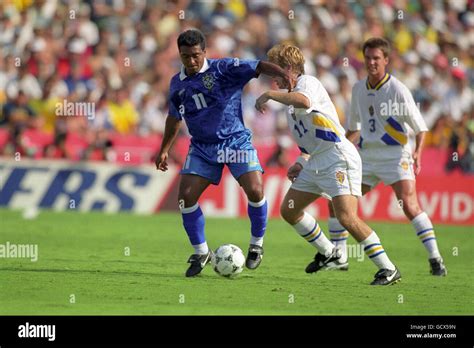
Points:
x=446 y=199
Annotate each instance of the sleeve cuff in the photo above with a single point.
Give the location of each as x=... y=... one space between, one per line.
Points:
x=310 y=102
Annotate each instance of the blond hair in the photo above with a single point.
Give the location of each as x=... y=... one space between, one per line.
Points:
x=286 y=55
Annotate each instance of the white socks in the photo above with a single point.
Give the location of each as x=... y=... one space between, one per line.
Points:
x=309 y=229
x=256 y=240
x=201 y=248
x=375 y=251
x=424 y=230
x=339 y=236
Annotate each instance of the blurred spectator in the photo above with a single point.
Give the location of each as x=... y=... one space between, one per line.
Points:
x=459 y=99
x=410 y=75
x=17 y=115
x=467 y=160
x=45 y=107
x=120 y=55
x=152 y=119
x=461 y=146
x=279 y=157
x=440 y=135
x=102 y=119
x=25 y=82
x=324 y=74
x=123 y=115
x=342 y=100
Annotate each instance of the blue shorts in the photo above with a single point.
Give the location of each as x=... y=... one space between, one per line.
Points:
x=208 y=160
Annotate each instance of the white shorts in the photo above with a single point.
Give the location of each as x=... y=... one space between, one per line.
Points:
x=386 y=164
x=335 y=172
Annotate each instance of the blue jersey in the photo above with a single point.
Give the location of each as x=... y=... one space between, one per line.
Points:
x=210 y=101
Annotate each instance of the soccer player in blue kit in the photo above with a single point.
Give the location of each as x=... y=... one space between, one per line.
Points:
x=206 y=93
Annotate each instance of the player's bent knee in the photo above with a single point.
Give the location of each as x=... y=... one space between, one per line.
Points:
x=348 y=220
x=287 y=214
x=410 y=205
x=412 y=210
x=255 y=193
x=186 y=198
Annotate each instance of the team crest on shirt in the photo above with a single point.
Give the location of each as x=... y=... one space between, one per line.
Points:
x=340 y=176
x=208 y=80
x=405 y=165
x=371 y=110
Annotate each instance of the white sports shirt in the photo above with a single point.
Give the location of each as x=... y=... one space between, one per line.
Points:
x=381 y=113
x=317 y=128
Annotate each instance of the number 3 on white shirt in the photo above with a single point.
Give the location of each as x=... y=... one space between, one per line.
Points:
x=372 y=125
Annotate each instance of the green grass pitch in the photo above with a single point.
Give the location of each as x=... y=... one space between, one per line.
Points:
x=84 y=255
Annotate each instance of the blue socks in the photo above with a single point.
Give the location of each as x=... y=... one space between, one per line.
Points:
x=193 y=222
x=258 y=219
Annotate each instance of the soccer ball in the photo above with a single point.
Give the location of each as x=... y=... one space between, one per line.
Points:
x=228 y=260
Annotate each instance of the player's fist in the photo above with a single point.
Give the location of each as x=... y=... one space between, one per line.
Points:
x=294 y=171
x=261 y=101
x=162 y=161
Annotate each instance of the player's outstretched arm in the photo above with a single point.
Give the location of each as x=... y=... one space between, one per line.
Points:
x=297 y=100
x=274 y=70
x=171 y=130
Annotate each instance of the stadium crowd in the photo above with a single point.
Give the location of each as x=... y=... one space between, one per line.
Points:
x=118 y=56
